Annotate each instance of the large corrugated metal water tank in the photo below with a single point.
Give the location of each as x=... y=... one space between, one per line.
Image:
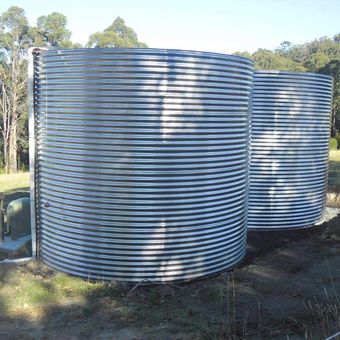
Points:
x=289 y=149
x=142 y=162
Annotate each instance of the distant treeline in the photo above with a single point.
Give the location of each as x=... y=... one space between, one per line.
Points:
x=16 y=36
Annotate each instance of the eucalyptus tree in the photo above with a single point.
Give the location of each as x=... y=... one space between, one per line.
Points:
x=117 y=35
x=53 y=32
x=14 y=41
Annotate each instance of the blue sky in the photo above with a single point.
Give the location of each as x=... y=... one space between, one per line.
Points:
x=211 y=25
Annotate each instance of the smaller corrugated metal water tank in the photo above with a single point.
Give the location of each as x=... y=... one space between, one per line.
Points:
x=289 y=149
x=142 y=162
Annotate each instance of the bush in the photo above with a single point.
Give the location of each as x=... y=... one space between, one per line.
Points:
x=333 y=144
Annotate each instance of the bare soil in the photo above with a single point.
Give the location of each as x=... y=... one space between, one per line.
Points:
x=288 y=287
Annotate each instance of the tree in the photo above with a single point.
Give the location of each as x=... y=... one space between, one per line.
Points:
x=268 y=60
x=336 y=38
x=116 y=35
x=51 y=31
x=317 y=61
x=333 y=69
x=284 y=48
x=14 y=40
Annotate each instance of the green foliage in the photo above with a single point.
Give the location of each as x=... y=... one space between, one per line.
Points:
x=14 y=41
x=317 y=61
x=284 y=48
x=51 y=31
x=333 y=69
x=337 y=136
x=268 y=60
x=333 y=144
x=14 y=30
x=117 y=35
x=53 y=28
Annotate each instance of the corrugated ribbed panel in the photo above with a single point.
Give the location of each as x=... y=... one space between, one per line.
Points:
x=142 y=164
x=289 y=149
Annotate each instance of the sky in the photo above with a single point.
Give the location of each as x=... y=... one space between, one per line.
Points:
x=208 y=25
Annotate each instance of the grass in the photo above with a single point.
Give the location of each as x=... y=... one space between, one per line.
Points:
x=14 y=182
x=33 y=293
x=334 y=155
x=326 y=314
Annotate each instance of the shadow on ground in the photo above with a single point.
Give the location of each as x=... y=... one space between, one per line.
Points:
x=287 y=286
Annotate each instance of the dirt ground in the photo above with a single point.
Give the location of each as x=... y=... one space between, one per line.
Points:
x=288 y=287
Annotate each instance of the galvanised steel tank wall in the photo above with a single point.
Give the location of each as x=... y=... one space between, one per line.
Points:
x=289 y=149
x=142 y=162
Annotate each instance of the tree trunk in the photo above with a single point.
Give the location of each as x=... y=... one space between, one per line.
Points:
x=5 y=125
x=12 y=150
x=333 y=120
x=5 y=151
x=12 y=143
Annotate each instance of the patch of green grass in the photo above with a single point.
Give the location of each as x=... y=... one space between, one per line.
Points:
x=72 y=286
x=36 y=292
x=10 y=183
x=24 y=290
x=334 y=155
